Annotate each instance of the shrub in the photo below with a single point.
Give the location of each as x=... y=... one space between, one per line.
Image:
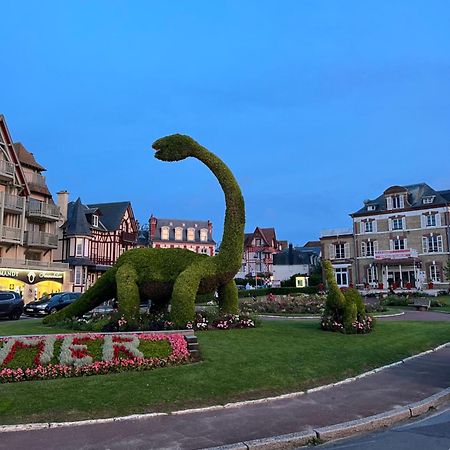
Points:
x=299 y=304
x=344 y=311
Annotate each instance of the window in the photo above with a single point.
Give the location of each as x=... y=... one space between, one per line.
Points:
x=340 y=251
x=78 y=275
x=94 y=220
x=434 y=274
x=370 y=207
x=203 y=234
x=165 y=233
x=428 y=200
x=398 y=201
x=432 y=244
x=178 y=234
x=191 y=234
x=431 y=220
x=341 y=275
x=368 y=226
x=79 y=247
x=369 y=248
x=372 y=275
x=397 y=224
x=399 y=244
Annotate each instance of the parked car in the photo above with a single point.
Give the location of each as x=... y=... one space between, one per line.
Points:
x=11 y=305
x=50 y=305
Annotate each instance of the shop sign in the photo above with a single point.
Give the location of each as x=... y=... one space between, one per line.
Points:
x=396 y=254
x=31 y=276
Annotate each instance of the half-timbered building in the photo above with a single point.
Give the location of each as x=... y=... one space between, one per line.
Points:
x=259 y=248
x=93 y=237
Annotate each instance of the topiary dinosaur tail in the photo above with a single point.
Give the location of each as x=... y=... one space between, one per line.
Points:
x=104 y=289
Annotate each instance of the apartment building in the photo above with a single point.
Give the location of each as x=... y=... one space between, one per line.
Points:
x=400 y=239
x=28 y=224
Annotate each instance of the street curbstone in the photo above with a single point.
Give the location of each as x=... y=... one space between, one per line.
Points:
x=285 y=441
x=371 y=423
x=424 y=406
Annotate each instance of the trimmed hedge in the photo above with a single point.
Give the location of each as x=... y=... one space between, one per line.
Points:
x=175 y=275
x=277 y=291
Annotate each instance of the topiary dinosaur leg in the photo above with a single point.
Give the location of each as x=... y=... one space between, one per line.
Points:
x=128 y=292
x=228 y=298
x=183 y=296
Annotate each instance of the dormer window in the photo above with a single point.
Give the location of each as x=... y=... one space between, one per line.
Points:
x=371 y=207
x=191 y=234
x=428 y=200
x=398 y=201
x=395 y=201
x=165 y=233
x=203 y=235
x=178 y=234
x=94 y=220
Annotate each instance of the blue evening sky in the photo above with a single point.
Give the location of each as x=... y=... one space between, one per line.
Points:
x=315 y=105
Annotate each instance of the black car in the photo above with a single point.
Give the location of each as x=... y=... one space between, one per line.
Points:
x=51 y=305
x=11 y=305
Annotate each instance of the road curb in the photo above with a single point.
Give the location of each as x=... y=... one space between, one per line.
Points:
x=344 y=429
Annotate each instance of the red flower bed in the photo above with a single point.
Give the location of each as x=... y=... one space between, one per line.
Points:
x=48 y=357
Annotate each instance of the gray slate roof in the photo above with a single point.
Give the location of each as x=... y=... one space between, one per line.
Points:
x=185 y=224
x=111 y=213
x=297 y=255
x=416 y=193
x=78 y=223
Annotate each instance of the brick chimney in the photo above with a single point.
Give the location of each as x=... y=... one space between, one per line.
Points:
x=152 y=223
x=210 y=229
x=63 y=201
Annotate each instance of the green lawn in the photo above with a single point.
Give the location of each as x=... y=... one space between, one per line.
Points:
x=279 y=357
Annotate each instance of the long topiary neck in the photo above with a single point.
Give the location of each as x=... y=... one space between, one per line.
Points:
x=232 y=245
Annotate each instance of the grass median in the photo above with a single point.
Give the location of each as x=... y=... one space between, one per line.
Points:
x=278 y=357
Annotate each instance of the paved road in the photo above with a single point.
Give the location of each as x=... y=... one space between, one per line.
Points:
x=432 y=316
x=419 y=315
x=431 y=432
x=391 y=388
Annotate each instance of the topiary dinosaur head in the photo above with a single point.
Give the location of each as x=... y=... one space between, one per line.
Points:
x=174 y=147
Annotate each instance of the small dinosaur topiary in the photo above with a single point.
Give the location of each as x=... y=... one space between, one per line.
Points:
x=344 y=311
x=174 y=275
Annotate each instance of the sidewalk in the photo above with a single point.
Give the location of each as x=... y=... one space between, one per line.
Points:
x=392 y=388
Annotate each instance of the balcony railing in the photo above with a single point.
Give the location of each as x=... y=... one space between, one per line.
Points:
x=41 y=210
x=12 y=203
x=35 y=179
x=128 y=238
x=10 y=234
x=29 y=263
x=6 y=170
x=40 y=239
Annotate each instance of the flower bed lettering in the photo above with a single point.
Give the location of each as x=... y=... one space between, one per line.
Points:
x=48 y=357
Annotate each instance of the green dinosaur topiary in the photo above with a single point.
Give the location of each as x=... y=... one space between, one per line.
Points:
x=174 y=275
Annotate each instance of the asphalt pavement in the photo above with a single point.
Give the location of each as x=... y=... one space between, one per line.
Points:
x=393 y=388
x=431 y=432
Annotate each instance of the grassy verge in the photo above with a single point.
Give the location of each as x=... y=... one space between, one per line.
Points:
x=279 y=357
